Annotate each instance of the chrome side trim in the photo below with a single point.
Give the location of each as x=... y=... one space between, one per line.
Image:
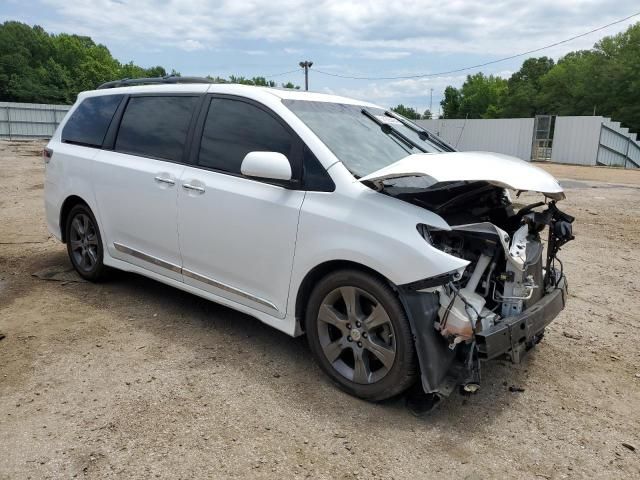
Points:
x=147 y=258
x=228 y=288
x=194 y=275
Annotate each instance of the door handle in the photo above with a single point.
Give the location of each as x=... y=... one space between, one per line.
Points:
x=195 y=188
x=168 y=181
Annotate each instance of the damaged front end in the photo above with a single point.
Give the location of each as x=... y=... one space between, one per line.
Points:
x=510 y=291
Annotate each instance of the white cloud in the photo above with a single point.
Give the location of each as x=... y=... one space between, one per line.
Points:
x=362 y=36
x=383 y=54
x=393 y=29
x=373 y=33
x=388 y=93
x=190 y=45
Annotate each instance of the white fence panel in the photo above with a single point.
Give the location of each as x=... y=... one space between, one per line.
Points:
x=634 y=153
x=576 y=139
x=511 y=136
x=617 y=146
x=30 y=120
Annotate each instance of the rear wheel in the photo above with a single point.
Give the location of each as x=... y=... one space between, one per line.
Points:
x=84 y=243
x=360 y=336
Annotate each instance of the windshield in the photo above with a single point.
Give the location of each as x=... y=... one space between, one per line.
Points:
x=364 y=142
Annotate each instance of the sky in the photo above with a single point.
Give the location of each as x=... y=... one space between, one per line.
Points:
x=372 y=38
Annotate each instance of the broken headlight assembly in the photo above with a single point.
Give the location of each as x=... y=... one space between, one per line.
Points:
x=507 y=273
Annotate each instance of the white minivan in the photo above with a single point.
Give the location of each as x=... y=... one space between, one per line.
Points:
x=401 y=259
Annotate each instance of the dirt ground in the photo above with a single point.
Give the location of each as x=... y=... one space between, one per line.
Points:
x=599 y=174
x=134 y=379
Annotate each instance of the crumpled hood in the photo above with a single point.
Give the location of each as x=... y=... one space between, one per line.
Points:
x=495 y=168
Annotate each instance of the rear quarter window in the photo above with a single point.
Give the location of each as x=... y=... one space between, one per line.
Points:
x=89 y=122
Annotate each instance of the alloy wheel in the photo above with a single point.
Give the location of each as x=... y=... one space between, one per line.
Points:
x=83 y=239
x=356 y=335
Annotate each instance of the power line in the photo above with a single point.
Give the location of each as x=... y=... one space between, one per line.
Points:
x=280 y=74
x=401 y=77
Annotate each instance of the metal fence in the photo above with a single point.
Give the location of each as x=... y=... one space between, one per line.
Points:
x=578 y=140
x=617 y=148
x=22 y=121
x=511 y=136
x=588 y=140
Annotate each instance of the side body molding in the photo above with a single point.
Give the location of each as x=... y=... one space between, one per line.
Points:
x=191 y=274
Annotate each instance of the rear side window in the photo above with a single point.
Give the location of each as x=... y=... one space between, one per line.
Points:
x=156 y=126
x=234 y=128
x=89 y=122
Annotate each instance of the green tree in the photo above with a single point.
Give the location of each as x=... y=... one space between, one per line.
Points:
x=406 y=112
x=263 y=82
x=605 y=79
x=217 y=79
x=481 y=95
x=567 y=89
x=620 y=56
x=427 y=115
x=291 y=85
x=36 y=66
x=450 y=103
x=523 y=89
x=39 y=67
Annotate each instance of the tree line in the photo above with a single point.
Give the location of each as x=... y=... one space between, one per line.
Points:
x=36 y=66
x=39 y=67
x=604 y=80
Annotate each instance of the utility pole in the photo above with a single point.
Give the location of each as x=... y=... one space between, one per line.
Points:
x=431 y=102
x=306 y=65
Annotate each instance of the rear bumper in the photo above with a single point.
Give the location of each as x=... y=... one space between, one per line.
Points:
x=52 y=208
x=515 y=335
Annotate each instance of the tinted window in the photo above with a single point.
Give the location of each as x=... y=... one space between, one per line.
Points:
x=156 y=126
x=316 y=177
x=89 y=122
x=234 y=128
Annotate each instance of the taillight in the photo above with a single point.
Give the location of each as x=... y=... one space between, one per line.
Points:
x=46 y=154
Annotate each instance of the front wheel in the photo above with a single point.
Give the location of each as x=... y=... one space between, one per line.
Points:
x=360 y=335
x=84 y=243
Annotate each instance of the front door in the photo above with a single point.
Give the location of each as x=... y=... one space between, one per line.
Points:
x=237 y=235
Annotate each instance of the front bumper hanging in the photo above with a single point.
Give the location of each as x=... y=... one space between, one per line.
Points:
x=442 y=368
x=515 y=335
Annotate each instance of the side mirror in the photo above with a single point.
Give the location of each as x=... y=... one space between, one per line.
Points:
x=267 y=165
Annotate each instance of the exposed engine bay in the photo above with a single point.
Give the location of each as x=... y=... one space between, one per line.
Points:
x=510 y=269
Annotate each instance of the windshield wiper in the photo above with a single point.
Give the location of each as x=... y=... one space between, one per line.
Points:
x=389 y=130
x=422 y=133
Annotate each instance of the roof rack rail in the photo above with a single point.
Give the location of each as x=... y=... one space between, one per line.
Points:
x=128 y=82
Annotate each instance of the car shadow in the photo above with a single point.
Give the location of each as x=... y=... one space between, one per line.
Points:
x=276 y=361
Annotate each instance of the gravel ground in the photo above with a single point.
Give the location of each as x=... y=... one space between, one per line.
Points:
x=133 y=379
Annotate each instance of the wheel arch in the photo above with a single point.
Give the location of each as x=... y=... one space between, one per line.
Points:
x=318 y=272
x=69 y=202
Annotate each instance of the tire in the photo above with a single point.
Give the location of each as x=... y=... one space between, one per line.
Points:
x=85 y=250
x=367 y=349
